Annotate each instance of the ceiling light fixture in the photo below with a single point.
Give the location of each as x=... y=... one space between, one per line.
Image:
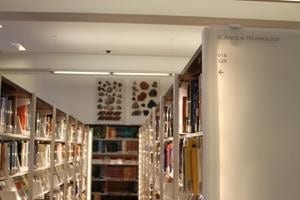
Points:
x=18 y=46
x=82 y=72
x=140 y=74
x=1 y=26
x=111 y=73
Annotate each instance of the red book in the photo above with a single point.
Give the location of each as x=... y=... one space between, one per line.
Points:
x=22 y=110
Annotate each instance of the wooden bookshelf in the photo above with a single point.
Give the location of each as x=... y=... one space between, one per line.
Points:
x=115 y=162
x=36 y=131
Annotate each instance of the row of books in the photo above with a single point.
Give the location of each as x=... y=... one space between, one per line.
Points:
x=76 y=134
x=115 y=172
x=114 y=186
x=41 y=183
x=191 y=107
x=59 y=153
x=12 y=107
x=14 y=189
x=61 y=129
x=114 y=146
x=122 y=172
x=130 y=146
x=192 y=162
x=43 y=126
x=42 y=157
x=58 y=175
x=13 y=157
x=75 y=151
x=101 y=132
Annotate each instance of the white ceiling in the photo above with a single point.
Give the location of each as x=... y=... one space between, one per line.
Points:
x=53 y=40
x=199 y=8
x=95 y=38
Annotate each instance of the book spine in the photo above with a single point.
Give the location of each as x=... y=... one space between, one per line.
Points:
x=194 y=104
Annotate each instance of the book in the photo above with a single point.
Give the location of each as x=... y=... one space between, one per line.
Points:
x=184 y=114
x=22 y=187
x=59 y=154
x=23 y=114
x=192 y=164
x=14 y=157
x=42 y=155
x=61 y=129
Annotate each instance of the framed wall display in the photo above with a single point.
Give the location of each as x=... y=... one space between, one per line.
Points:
x=144 y=96
x=110 y=102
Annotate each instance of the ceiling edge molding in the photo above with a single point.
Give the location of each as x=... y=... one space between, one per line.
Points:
x=143 y=19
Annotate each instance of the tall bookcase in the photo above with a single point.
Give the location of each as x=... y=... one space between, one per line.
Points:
x=115 y=162
x=171 y=140
x=39 y=146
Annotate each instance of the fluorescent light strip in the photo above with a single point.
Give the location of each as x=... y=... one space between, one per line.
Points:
x=140 y=74
x=111 y=73
x=18 y=46
x=81 y=72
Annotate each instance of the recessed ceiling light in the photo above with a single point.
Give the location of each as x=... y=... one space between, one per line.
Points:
x=82 y=72
x=140 y=74
x=18 y=46
x=1 y=26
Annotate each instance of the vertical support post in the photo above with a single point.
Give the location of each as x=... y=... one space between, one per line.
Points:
x=89 y=163
x=66 y=159
x=31 y=145
x=176 y=136
x=161 y=140
x=153 y=134
x=52 y=152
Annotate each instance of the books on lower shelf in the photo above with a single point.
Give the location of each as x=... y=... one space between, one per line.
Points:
x=114 y=163
x=192 y=162
x=13 y=157
x=59 y=153
x=14 y=189
x=59 y=173
x=41 y=184
x=42 y=155
x=115 y=172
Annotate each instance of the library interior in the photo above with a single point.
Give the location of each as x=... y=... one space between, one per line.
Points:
x=149 y=100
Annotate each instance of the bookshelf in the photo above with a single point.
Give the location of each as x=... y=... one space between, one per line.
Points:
x=171 y=140
x=33 y=135
x=115 y=162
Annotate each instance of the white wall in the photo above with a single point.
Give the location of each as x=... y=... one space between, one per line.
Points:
x=76 y=95
x=253 y=139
